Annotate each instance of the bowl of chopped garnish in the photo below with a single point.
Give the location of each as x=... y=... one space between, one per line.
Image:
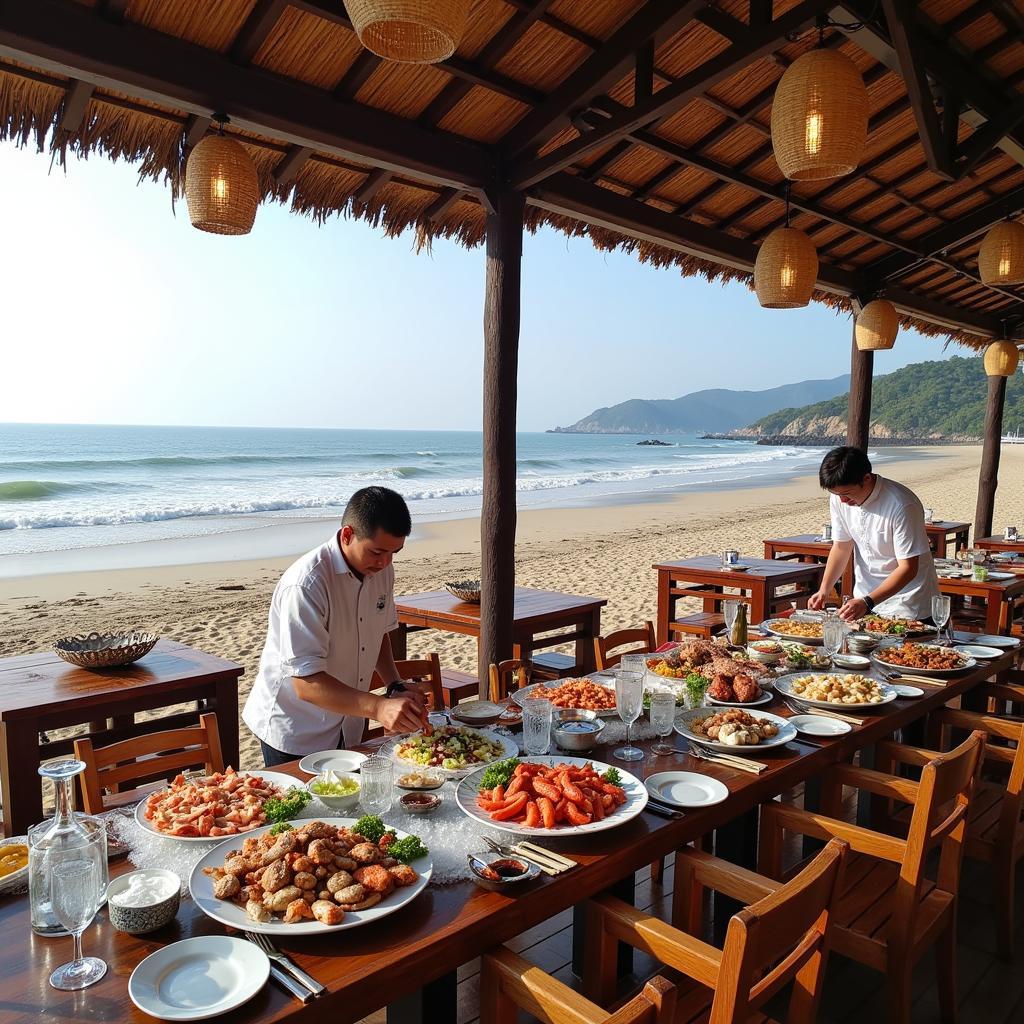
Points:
x=337 y=790
x=768 y=652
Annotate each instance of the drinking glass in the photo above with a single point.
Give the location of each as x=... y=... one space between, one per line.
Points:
x=536 y=725
x=940 y=616
x=375 y=781
x=730 y=609
x=629 y=698
x=633 y=663
x=929 y=515
x=663 y=717
x=75 y=888
x=833 y=632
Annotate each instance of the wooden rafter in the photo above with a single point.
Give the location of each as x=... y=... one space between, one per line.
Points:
x=258 y=26
x=442 y=204
x=291 y=163
x=560 y=25
x=196 y=127
x=76 y=99
x=375 y=181
x=359 y=71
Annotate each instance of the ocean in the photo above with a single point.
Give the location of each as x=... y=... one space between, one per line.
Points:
x=64 y=487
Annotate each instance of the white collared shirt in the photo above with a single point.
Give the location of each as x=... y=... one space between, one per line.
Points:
x=887 y=527
x=323 y=618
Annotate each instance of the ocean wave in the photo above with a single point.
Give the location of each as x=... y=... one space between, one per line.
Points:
x=38 y=490
x=158 y=460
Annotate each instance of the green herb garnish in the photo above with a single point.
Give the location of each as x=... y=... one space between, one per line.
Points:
x=696 y=686
x=281 y=826
x=613 y=776
x=283 y=808
x=408 y=849
x=499 y=773
x=370 y=827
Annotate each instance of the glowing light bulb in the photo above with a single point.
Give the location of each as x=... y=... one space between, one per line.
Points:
x=787 y=275
x=1004 y=264
x=812 y=133
x=220 y=188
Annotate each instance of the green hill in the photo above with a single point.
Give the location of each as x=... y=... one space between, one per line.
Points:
x=943 y=399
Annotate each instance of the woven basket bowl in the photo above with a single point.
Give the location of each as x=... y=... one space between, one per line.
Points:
x=221 y=186
x=465 y=590
x=412 y=31
x=785 y=270
x=104 y=650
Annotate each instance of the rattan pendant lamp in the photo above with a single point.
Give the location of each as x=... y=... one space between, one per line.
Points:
x=410 y=31
x=876 y=326
x=221 y=185
x=786 y=267
x=820 y=115
x=1001 y=256
x=1001 y=359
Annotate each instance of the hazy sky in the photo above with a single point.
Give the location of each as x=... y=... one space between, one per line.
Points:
x=116 y=310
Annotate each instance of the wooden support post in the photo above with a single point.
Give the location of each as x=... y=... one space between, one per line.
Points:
x=858 y=420
x=988 y=479
x=501 y=363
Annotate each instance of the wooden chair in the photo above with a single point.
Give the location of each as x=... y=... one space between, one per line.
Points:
x=995 y=832
x=144 y=760
x=781 y=937
x=701 y=624
x=509 y=983
x=890 y=915
x=426 y=673
x=605 y=645
x=508 y=676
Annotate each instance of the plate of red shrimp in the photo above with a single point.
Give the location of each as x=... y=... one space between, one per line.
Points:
x=554 y=796
x=204 y=807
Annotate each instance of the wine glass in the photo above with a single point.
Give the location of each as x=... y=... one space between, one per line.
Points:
x=940 y=616
x=663 y=717
x=629 y=697
x=832 y=632
x=75 y=882
x=730 y=609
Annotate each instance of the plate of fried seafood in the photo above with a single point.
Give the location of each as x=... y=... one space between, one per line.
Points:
x=924 y=659
x=580 y=694
x=733 y=727
x=835 y=689
x=804 y=631
x=733 y=680
x=319 y=876
x=201 y=808
x=882 y=626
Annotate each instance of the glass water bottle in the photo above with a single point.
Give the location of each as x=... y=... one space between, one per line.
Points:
x=66 y=832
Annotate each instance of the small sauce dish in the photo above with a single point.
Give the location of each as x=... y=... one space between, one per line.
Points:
x=420 y=803
x=498 y=873
x=142 y=901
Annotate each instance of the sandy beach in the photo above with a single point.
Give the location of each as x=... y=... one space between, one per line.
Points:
x=221 y=606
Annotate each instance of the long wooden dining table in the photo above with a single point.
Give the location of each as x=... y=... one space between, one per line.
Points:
x=408 y=961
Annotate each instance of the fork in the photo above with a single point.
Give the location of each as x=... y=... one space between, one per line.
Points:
x=728 y=760
x=289 y=965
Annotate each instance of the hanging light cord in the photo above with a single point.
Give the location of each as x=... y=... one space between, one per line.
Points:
x=787 y=202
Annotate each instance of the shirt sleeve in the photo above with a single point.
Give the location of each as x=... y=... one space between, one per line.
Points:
x=909 y=537
x=303 y=618
x=835 y=509
x=390 y=612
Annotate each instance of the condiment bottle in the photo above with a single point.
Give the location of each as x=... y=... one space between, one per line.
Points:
x=738 y=636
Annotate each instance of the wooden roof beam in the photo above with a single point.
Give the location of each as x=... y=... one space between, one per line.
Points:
x=375 y=181
x=291 y=163
x=442 y=204
x=195 y=128
x=560 y=25
x=358 y=72
x=76 y=100
x=258 y=26
x=75 y=41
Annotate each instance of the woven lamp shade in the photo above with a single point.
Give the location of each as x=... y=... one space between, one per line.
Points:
x=221 y=186
x=819 y=117
x=1001 y=257
x=411 y=31
x=785 y=270
x=1001 y=359
x=876 y=326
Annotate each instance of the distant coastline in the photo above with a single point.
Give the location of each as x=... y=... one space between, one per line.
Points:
x=830 y=441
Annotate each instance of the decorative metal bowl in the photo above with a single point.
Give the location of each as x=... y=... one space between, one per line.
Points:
x=104 y=650
x=465 y=590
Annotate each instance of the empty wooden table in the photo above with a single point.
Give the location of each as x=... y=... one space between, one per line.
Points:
x=705 y=579
x=806 y=547
x=941 y=532
x=577 y=620
x=1000 y=544
x=40 y=692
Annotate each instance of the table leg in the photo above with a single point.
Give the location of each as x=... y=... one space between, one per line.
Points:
x=400 y=642
x=436 y=1001
x=625 y=890
x=735 y=842
x=20 y=786
x=759 y=610
x=869 y=807
x=994 y=609
x=591 y=626
x=226 y=695
x=666 y=605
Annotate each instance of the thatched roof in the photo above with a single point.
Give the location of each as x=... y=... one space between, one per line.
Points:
x=642 y=125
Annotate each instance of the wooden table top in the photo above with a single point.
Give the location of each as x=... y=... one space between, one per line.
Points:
x=1004 y=588
x=446 y=926
x=34 y=681
x=804 y=539
x=774 y=569
x=530 y=604
x=1000 y=543
x=949 y=525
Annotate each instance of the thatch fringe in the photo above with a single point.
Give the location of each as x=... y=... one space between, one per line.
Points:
x=28 y=110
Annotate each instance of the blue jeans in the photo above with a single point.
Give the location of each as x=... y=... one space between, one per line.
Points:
x=273 y=756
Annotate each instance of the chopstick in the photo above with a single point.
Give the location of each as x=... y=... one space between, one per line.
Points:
x=824 y=713
x=917 y=679
x=740 y=763
x=539 y=852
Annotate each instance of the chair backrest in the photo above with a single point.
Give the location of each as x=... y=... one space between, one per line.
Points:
x=142 y=759
x=780 y=939
x=606 y=651
x=426 y=674
x=508 y=676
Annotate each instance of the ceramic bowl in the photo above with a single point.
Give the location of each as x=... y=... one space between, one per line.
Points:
x=576 y=729
x=336 y=803
x=477 y=712
x=139 y=920
x=765 y=657
x=420 y=803
x=478 y=861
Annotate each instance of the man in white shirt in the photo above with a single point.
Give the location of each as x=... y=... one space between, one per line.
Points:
x=881 y=524
x=328 y=633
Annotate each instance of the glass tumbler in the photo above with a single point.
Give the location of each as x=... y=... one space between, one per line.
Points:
x=375 y=793
x=536 y=725
x=663 y=717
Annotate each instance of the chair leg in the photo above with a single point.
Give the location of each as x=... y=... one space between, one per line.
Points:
x=657 y=870
x=899 y=994
x=1003 y=895
x=945 y=965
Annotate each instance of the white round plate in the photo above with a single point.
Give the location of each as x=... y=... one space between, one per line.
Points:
x=853 y=662
x=1004 y=642
x=906 y=690
x=977 y=651
x=1001 y=575
x=277 y=778
x=636 y=800
x=784 y=684
x=765 y=698
x=736 y=567
x=776 y=628
x=233 y=915
x=818 y=725
x=509 y=748
x=525 y=692
x=198 y=978
x=876 y=656
x=347 y=761
x=786 y=732
x=686 y=789
x=16 y=878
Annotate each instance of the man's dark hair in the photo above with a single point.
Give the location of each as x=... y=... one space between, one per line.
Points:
x=843 y=467
x=377 y=508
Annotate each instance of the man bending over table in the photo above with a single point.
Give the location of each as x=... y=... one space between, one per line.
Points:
x=328 y=632
x=881 y=524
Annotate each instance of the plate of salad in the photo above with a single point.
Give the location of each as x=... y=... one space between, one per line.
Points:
x=453 y=749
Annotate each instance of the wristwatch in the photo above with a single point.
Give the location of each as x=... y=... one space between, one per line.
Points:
x=393 y=688
x=869 y=601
